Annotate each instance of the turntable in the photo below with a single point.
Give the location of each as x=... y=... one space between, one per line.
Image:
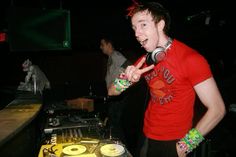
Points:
x=65 y=150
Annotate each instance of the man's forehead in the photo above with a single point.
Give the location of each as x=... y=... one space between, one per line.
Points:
x=142 y=17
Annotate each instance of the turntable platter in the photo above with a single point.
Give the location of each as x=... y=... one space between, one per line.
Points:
x=74 y=149
x=112 y=150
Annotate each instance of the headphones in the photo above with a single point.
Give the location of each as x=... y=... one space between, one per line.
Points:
x=158 y=54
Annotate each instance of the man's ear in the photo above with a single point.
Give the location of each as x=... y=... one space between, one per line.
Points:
x=161 y=25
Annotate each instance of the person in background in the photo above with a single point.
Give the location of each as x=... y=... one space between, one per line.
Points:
x=116 y=63
x=175 y=74
x=35 y=80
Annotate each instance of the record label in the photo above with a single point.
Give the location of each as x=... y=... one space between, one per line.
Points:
x=74 y=149
x=112 y=150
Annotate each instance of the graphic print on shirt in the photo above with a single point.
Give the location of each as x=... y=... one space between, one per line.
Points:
x=159 y=81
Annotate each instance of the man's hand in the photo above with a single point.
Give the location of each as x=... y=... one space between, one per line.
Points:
x=180 y=152
x=133 y=73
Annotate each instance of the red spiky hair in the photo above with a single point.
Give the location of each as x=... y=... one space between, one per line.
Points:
x=132 y=9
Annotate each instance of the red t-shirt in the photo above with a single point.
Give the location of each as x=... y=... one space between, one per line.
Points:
x=170 y=109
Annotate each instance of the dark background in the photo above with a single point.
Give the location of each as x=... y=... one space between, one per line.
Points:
x=72 y=71
x=91 y=19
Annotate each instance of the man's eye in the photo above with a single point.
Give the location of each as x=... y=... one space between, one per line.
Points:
x=143 y=25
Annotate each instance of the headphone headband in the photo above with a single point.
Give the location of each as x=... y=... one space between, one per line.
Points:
x=168 y=44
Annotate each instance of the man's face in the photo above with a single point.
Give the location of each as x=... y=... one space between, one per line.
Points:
x=104 y=46
x=146 y=30
x=26 y=65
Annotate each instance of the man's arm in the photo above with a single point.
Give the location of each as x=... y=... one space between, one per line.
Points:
x=211 y=98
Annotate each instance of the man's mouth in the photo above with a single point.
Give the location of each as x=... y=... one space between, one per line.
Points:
x=143 y=42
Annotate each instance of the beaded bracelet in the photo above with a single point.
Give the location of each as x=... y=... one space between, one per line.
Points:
x=190 y=141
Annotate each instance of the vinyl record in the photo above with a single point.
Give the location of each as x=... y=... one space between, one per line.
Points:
x=74 y=149
x=112 y=150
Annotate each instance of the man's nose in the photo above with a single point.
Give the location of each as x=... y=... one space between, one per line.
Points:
x=137 y=33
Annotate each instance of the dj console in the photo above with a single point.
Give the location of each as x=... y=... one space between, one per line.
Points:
x=85 y=148
x=76 y=133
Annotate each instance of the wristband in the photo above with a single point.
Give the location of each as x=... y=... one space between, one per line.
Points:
x=121 y=83
x=190 y=141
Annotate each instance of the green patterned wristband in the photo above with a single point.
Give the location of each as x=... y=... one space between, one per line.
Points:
x=191 y=140
x=121 y=84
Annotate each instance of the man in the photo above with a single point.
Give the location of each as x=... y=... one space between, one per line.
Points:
x=175 y=74
x=115 y=64
x=116 y=60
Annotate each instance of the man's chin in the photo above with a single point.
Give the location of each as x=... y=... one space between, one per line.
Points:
x=148 y=50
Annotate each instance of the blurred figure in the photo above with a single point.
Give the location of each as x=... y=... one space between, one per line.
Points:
x=35 y=80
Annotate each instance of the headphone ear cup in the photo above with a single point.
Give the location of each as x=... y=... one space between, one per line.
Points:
x=149 y=60
x=158 y=54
